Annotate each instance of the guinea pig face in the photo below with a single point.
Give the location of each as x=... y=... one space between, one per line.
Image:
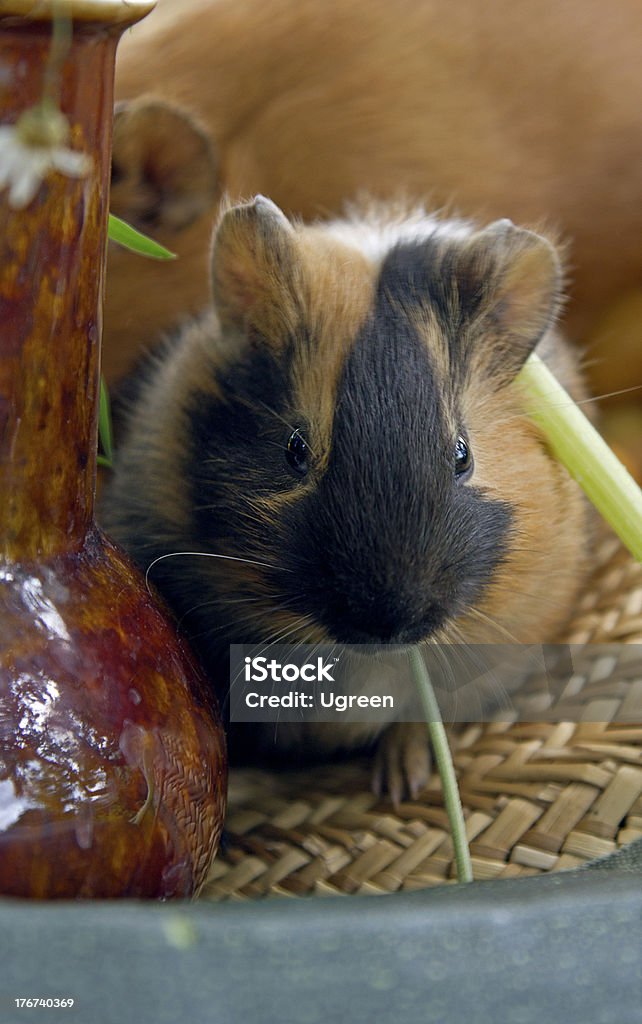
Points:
x=346 y=452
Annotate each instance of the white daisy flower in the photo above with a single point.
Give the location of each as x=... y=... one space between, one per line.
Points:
x=33 y=147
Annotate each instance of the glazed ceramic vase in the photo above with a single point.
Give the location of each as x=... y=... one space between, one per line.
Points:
x=112 y=757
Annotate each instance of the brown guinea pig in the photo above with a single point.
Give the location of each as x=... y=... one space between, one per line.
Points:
x=345 y=431
x=520 y=108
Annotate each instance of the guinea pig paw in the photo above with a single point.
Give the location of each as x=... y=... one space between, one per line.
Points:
x=402 y=762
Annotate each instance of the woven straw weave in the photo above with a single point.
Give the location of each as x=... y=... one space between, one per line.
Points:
x=537 y=797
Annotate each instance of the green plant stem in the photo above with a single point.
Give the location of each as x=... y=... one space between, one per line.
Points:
x=587 y=457
x=444 y=765
x=124 y=234
x=61 y=30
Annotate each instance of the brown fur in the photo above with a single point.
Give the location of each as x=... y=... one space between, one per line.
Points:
x=524 y=605
x=520 y=108
x=163 y=167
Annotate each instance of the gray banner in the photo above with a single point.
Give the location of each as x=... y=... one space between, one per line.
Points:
x=472 y=683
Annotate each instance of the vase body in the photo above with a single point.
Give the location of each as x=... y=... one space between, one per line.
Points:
x=112 y=755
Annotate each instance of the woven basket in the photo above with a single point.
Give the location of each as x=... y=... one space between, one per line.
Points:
x=537 y=797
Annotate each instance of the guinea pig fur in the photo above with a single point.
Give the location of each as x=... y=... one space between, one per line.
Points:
x=346 y=422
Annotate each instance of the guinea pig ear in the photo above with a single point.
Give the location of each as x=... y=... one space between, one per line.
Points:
x=163 y=166
x=522 y=294
x=255 y=270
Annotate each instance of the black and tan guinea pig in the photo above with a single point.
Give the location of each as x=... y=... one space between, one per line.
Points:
x=345 y=427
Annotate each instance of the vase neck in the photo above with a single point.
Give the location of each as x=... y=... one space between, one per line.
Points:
x=52 y=255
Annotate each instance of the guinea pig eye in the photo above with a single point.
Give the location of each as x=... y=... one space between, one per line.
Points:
x=297 y=453
x=463 y=457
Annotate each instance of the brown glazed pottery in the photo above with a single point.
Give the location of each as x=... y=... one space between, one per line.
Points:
x=112 y=759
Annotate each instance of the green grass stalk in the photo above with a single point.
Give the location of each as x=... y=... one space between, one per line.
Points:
x=445 y=765
x=587 y=457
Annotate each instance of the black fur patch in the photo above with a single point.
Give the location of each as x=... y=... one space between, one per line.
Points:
x=391 y=544
x=455 y=283
x=238 y=444
x=126 y=394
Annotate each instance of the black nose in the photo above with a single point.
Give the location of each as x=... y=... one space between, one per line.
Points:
x=383 y=620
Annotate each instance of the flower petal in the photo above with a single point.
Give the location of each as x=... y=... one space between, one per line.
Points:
x=8 y=153
x=24 y=187
x=23 y=168
x=70 y=162
x=7 y=133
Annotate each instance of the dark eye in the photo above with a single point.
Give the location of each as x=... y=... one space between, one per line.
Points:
x=463 y=457
x=297 y=453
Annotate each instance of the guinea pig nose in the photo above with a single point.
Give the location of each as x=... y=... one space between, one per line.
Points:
x=383 y=623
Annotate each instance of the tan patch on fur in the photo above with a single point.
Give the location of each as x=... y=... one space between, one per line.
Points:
x=548 y=551
x=427 y=326
x=429 y=330
x=257 y=275
x=339 y=284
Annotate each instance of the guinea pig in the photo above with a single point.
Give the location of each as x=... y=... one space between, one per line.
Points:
x=346 y=430
x=513 y=108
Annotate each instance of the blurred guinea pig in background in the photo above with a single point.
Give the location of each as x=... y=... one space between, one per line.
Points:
x=527 y=109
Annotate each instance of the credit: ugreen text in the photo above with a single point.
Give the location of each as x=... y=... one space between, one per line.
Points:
x=307 y=701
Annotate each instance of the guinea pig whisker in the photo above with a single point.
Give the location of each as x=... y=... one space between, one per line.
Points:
x=559 y=575
x=250 y=617
x=475 y=613
x=543 y=599
x=447 y=665
x=212 y=630
x=217 y=601
x=209 y=554
x=268 y=408
x=502 y=421
x=277 y=637
x=281 y=634
x=608 y=394
x=469 y=654
x=273 y=412
x=305 y=640
x=457 y=634
x=278 y=416
x=273 y=638
x=275 y=444
x=302 y=620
